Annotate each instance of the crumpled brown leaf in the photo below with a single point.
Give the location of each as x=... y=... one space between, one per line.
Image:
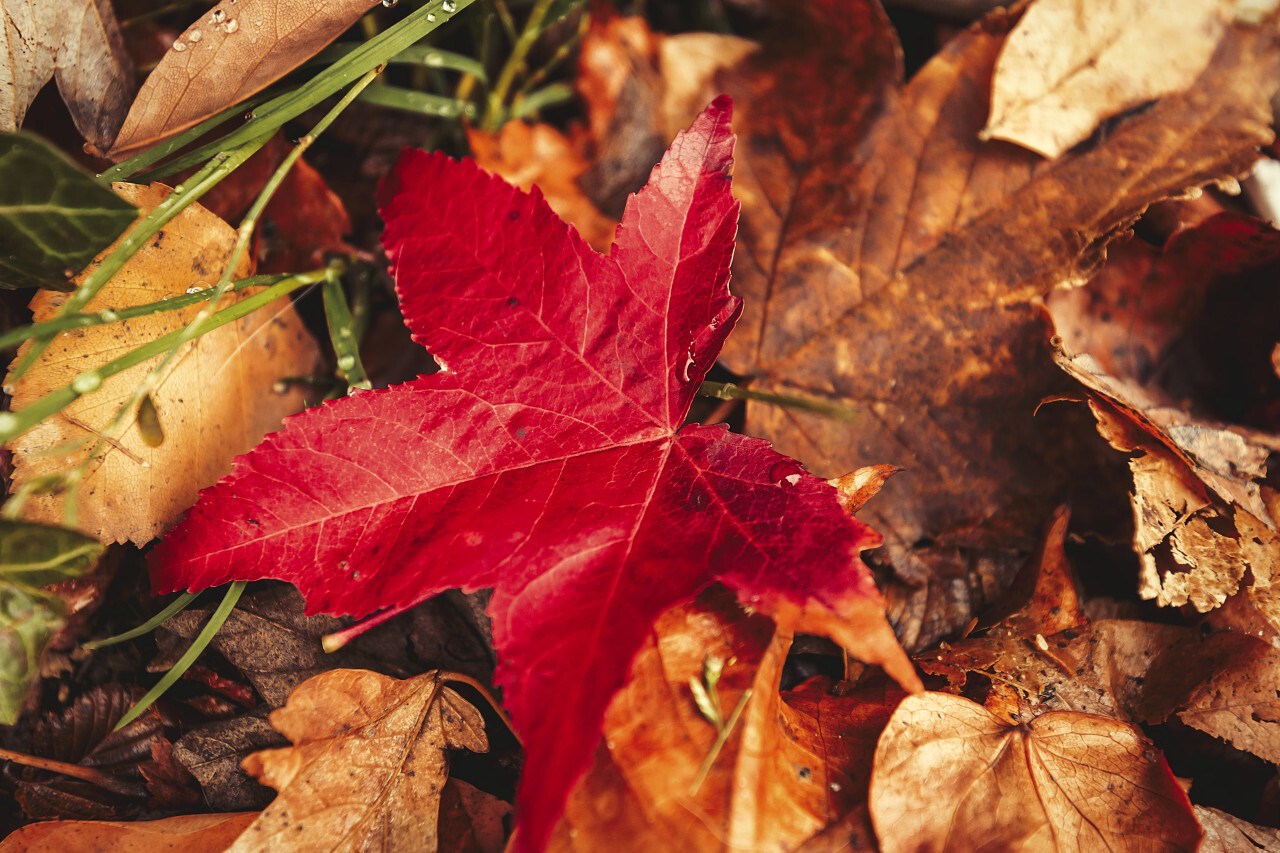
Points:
x=950 y=775
x=369 y=761
x=233 y=50
x=79 y=42
x=1224 y=833
x=1069 y=64
x=201 y=833
x=215 y=400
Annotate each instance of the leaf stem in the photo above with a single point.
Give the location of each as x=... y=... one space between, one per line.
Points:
x=721 y=739
x=459 y=678
x=77 y=771
x=729 y=391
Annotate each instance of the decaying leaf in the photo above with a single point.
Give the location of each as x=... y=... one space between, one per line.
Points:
x=950 y=775
x=53 y=217
x=200 y=833
x=575 y=490
x=215 y=400
x=1069 y=64
x=367 y=765
x=79 y=42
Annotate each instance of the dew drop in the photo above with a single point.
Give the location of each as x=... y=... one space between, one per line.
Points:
x=8 y=422
x=685 y=374
x=194 y=36
x=449 y=6
x=179 y=46
x=344 y=332
x=179 y=188
x=90 y=380
x=390 y=4
x=433 y=60
x=431 y=16
x=8 y=389
x=230 y=27
x=218 y=16
x=280 y=387
x=347 y=362
x=198 y=288
x=786 y=471
x=108 y=316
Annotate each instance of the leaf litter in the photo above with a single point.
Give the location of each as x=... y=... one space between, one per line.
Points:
x=892 y=255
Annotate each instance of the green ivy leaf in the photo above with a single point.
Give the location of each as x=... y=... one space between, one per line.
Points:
x=54 y=218
x=28 y=620
x=33 y=556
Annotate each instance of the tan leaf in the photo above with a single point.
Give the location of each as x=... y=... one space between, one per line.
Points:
x=949 y=775
x=215 y=400
x=1069 y=64
x=79 y=41
x=201 y=833
x=233 y=50
x=367 y=766
x=793 y=765
x=1224 y=833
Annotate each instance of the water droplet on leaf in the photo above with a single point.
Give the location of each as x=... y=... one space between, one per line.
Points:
x=390 y=4
x=685 y=374
x=449 y=6
x=787 y=471
x=194 y=36
x=230 y=27
x=347 y=362
x=90 y=380
x=217 y=16
x=197 y=288
x=430 y=17
x=179 y=46
x=108 y=316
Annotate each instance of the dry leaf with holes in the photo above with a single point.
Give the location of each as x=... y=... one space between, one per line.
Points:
x=950 y=775
x=1070 y=64
x=216 y=399
x=367 y=766
x=79 y=43
x=233 y=50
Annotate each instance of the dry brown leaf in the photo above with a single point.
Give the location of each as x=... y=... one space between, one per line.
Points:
x=1224 y=833
x=1222 y=684
x=233 y=50
x=368 y=763
x=950 y=775
x=1201 y=514
x=216 y=399
x=901 y=282
x=1069 y=64
x=79 y=42
x=200 y=833
x=471 y=820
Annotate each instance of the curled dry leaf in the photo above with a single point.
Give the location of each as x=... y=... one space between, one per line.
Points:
x=233 y=50
x=1070 y=64
x=950 y=775
x=200 y=833
x=79 y=42
x=368 y=762
x=216 y=399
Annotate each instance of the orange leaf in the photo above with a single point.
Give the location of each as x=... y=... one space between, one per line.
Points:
x=200 y=833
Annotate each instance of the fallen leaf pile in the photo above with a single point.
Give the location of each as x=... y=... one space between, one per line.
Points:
x=988 y=559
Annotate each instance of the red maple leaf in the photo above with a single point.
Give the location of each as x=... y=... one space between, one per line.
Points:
x=547 y=458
